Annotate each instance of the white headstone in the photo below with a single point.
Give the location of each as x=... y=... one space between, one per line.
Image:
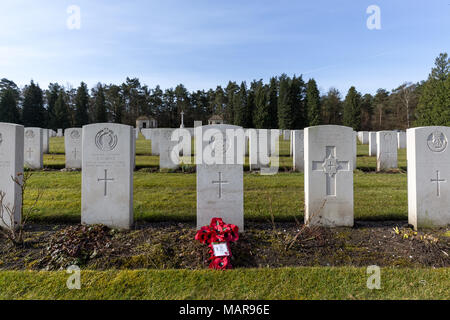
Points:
x=298 y=156
x=153 y=135
x=33 y=145
x=262 y=145
x=45 y=140
x=169 y=149
x=365 y=137
x=428 y=156
x=220 y=187
x=107 y=175
x=11 y=166
x=355 y=149
x=197 y=123
x=386 y=150
x=401 y=137
x=60 y=133
x=372 y=144
x=329 y=176
x=286 y=134
x=72 y=143
x=291 y=143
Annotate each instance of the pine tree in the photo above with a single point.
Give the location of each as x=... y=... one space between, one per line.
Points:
x=352 y=109
x=240 y=106
x=285 y=114
x=100 y=114
x=81 y=106
x=272 y=103
x=51 y=96
x=8 y=107
x=332 y=107
x=433 y=108
x=33 y=112
x=62 y=117
x=114 y=102
x=231 y=90
x=313 y=106
x=261 y=117
x=297 y=100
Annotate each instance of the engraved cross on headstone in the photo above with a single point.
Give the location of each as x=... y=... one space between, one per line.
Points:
x=330 y=166
x=75 y=153
x=220 y=182
x=105 y=179
x=29 y=151
x=438 y=183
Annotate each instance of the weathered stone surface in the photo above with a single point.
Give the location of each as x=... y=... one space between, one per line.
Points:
x=45 y=140
x=11 y=166
x=298 y=155
x=401 y=137
x=428 y=156
x=33 y=148
x=72 y=142
x=386 y=150
x=107 y=175
x=372 y=144
x=220 y=175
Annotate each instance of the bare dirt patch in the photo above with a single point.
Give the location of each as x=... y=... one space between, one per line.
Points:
x=172 y=245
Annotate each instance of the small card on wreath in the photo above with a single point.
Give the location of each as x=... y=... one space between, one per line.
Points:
x=220 y=249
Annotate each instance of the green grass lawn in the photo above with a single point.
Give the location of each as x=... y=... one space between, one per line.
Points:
x=285 y=283
x=172 y=196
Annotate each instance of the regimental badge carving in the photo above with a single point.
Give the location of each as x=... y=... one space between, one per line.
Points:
x=388 y=136
x=106 y=140
x=29 y=134
x=75 y=134
x=437 y=141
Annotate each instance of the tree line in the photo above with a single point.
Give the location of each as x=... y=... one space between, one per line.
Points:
x=284 y=102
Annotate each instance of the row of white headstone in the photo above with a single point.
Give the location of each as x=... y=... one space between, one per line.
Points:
x=108 y=163
x=384 y=145
x=36 y=144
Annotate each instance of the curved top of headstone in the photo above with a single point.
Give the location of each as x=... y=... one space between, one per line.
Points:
x=4 y=124
x=331 y=126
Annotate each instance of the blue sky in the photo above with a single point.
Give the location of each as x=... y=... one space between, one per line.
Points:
x=203 y=44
